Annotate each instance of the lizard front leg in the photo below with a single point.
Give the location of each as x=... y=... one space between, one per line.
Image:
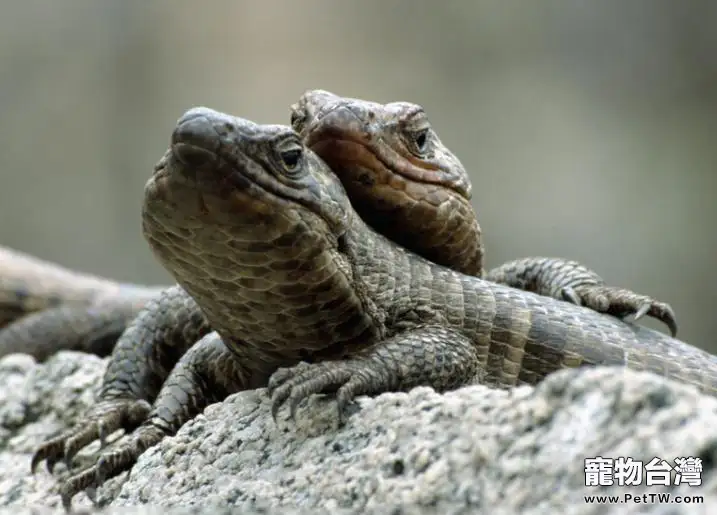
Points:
x=567 y=280
x=142 y=359
x=429 y=355
x=207 y=373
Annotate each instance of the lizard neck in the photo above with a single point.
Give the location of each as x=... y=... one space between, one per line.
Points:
x=283 y=291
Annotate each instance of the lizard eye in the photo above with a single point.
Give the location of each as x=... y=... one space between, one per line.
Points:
x=291 y=157
x=419 y=140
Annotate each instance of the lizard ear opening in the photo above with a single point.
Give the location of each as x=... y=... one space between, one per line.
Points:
x=298 y=118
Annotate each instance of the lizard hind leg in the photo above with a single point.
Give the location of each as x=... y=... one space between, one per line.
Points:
x=573 y=282
x=207 y=373
x=141 y=360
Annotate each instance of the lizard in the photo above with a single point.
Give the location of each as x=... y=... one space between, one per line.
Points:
x=45 y=307
x=417 y=195
x=406 y=184
x=280 y=284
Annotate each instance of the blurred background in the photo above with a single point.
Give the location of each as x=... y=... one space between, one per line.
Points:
x=589 y=128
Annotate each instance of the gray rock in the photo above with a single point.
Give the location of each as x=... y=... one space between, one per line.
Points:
x=474 y=450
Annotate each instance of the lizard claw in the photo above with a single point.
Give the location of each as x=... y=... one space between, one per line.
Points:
x=347 y=379
x=644 y=309
x=276 y=380
x=110 y=464
x=74 y=485
x=102 y=419
x=568 y=294
x=622 y=303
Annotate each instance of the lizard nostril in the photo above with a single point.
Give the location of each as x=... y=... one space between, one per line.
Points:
x=194 y=139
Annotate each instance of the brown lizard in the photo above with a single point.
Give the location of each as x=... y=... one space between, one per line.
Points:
x=417 y=195
x=406 y=184
x=281 y=283
x=45 y=307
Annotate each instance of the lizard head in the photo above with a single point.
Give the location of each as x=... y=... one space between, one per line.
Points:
x=402 y=180
x=360 y=139
x=225 y=171
x=246 y=209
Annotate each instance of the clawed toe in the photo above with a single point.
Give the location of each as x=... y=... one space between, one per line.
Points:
x=570 y=295
x=103 y=419
x=281 y=375
x=111 y=463
x=50 y=451
x=86 y=479
x=63 y=448
x=659 y=310
x=293 y=385
x=622 y=303
x=644 y=309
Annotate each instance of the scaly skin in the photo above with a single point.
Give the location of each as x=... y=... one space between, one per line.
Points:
x=281 y=283
x=45 y=308
x=417 y=195
x=406 y=184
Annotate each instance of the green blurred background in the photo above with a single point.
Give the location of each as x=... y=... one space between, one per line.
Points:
x=589 y=128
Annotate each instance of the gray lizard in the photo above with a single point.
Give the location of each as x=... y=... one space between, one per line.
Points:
x=281 y=284
x=400 y=178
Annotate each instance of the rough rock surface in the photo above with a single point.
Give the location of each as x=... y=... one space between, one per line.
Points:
x=474 y=450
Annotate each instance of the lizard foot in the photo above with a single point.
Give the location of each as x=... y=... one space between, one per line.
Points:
x=111 y=463
x=347 y=379
x=431 y=355
x=101 y=420
x=621 y=303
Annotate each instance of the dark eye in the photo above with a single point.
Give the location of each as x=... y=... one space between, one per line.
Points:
x=291 y=158
x=420 y=139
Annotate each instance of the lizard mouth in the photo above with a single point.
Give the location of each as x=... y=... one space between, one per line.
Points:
x=349 y=140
